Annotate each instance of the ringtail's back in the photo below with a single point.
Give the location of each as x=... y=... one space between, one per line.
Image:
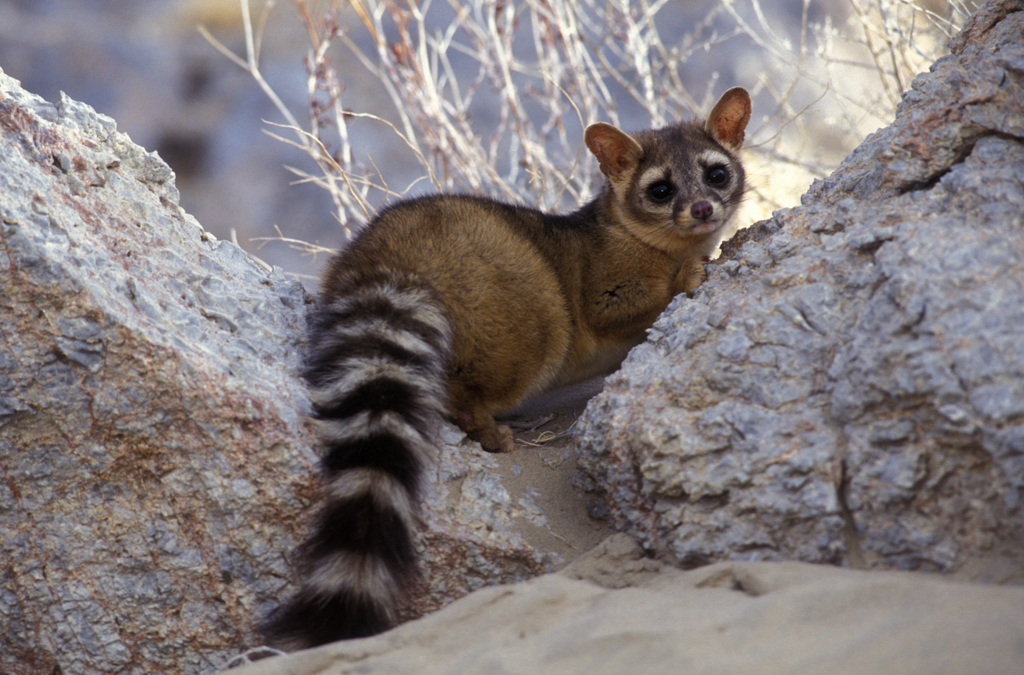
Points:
x=461 y=307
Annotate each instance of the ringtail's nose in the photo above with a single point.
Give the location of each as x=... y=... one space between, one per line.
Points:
x=702 y=210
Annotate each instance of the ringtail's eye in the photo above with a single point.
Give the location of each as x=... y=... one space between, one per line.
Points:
x=716 y=176
x=661 y=192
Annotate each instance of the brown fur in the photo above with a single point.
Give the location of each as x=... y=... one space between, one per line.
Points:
x=538 y=300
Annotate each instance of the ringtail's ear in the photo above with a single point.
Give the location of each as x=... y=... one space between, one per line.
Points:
x=616 y=150
x=729 y=117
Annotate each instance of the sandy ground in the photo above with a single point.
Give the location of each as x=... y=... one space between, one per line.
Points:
x=542 y=470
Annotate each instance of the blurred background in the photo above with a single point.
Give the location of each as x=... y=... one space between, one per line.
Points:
x=410 y=97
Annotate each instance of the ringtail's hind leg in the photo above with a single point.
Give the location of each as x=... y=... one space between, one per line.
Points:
x=480 y=426
x=495 y=378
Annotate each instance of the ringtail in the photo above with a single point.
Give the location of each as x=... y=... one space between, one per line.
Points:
x=461 y=307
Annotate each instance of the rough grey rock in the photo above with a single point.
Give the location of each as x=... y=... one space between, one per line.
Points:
x=848 y=386
x=151 y=428
x=615 y=612
x=157 y=467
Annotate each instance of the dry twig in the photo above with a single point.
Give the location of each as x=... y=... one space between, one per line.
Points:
x=491 y=96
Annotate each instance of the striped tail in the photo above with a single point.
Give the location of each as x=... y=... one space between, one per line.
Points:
x=375 y=369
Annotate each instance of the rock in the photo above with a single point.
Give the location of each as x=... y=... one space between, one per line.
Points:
x=157 y=465
x=848 y=386
x=730 y=617
x=152 y=441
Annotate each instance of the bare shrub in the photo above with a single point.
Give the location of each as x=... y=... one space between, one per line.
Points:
x=491 y=96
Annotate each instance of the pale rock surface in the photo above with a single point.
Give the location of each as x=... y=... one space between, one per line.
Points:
x=157 y=466
x=848 y=386
x=614 y=612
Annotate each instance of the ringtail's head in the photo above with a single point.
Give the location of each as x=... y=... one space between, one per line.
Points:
x=678 y=186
